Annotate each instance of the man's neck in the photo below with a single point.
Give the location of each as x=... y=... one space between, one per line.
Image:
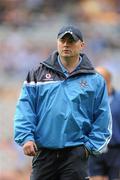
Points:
x=70 y=63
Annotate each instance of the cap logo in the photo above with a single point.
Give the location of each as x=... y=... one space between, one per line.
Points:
x=69 y=32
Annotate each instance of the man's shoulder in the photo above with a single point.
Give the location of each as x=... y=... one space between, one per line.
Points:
x=99 y=77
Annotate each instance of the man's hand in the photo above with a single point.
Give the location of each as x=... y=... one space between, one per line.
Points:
x=30 y=148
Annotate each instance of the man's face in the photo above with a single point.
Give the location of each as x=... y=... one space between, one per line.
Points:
x=68 y=47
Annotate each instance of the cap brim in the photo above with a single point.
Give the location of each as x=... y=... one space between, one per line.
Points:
x=71 y=34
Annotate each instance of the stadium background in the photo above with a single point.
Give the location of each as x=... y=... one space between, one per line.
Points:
x=28 y=30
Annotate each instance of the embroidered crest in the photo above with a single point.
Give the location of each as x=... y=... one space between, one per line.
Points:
x=83 y=83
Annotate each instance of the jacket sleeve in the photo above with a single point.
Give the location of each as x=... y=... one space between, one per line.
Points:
x=25 y=116
x=101 y=128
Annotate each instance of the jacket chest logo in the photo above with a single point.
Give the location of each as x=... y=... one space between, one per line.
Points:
x=83 y=83
x=48 y=77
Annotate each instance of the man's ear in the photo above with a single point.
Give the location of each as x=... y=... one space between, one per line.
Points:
x=82 y=45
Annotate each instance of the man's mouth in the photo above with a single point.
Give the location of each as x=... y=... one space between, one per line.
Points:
x=66 y=50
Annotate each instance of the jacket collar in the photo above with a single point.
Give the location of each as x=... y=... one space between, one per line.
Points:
x=85 y=66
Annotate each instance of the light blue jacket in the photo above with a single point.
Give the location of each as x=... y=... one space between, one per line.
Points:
x=57 y=111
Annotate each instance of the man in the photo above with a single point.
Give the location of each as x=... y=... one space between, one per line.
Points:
x=60 y=116
x=107 y=165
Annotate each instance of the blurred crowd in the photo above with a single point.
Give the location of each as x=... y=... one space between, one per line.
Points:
x=28 y=30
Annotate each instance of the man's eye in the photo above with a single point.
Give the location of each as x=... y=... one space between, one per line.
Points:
x=68 y=40
x=62 y=40
x=71 y=40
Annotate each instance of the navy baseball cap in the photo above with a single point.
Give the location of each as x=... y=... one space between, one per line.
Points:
x=73 y=31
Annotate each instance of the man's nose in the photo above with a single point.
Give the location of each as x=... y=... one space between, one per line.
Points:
x=66 y=42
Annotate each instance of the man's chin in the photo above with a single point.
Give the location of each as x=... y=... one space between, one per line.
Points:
x=66 y=55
